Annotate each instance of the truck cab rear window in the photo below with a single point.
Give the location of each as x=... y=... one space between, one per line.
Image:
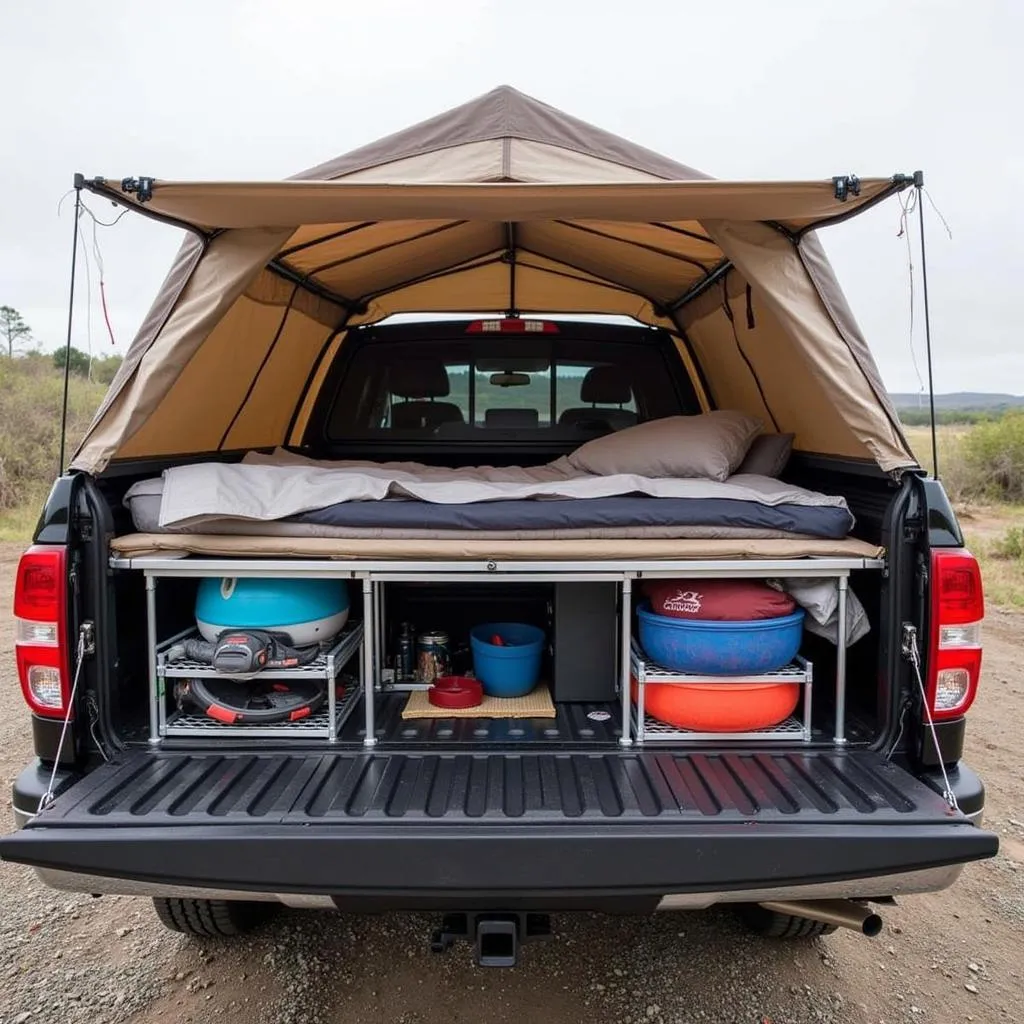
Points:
x=484 y=388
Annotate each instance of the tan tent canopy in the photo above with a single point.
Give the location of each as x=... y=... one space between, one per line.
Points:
x=502 y=205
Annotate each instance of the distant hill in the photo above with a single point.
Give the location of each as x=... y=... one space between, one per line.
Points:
x=973 y=401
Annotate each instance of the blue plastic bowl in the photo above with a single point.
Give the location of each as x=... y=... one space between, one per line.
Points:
x=512 y=670
x=720 y=648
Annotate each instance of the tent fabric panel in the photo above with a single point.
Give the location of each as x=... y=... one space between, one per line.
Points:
x=198 y=407
x=541 y=288
x=328 y=244
x=657 y=276
x=219 y=205
x=263 y=418
x=308 y=401
x=786 y=289
x=678 y=238
x=816 y=263
x=381 y=272
x=542 y=161
x=228 y=265
x=731 y=382
x=185 y=262
x=501 y=113
x=471 y=161
x=758 y=368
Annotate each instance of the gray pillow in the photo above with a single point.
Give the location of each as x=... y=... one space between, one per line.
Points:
x=711 y=445
x=768 y=455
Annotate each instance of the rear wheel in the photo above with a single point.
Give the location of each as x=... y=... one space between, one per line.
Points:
x=773 y=925
x=211 y=918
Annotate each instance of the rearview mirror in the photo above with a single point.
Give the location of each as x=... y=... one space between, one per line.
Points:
x=510 y=380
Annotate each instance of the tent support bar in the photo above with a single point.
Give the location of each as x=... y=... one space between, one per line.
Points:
x=919 y=185
x=71 y=317
x=701 y=287
x=899 y=183
x=510 y=256
x=283 y=270
x=99 y=187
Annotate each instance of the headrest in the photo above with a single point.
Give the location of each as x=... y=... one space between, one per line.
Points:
x=419 y=378
x=512 y=419
x=606 y=385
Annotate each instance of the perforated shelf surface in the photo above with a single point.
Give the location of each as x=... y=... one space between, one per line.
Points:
x=194 y=723
x=326 y=664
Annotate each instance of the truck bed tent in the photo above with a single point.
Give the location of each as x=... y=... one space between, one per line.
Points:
x=502 y=205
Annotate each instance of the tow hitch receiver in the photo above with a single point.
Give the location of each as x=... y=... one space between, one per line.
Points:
x=496 y=937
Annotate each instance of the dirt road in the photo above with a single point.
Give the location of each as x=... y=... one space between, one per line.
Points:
x=950 y=957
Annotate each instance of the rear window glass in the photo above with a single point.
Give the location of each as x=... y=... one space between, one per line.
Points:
x=486 y=388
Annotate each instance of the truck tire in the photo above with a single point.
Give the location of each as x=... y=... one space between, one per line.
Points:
x=773 y=925
x=211 y=918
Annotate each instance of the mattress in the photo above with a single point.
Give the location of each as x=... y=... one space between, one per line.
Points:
x=627 y=515
x=261 y=491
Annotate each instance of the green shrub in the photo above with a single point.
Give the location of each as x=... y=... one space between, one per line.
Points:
x=1011 y=545
x=31 y=393
x=987 y=463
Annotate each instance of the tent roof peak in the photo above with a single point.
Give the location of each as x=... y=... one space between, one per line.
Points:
x=504 y=113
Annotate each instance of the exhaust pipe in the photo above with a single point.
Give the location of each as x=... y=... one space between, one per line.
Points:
x=844 y=913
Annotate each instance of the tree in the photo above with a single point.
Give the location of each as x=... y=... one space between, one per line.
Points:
x=13 y=329
x=79 y=361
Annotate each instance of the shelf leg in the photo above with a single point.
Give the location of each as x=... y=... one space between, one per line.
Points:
x=624 y=654
x=332 y=701
x=840 y=736
x=154 y=685
x=369 y=658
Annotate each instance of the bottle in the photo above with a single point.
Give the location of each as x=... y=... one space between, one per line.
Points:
x=405 y=655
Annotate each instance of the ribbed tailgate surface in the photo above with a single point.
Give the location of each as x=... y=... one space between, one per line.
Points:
x=201 y=789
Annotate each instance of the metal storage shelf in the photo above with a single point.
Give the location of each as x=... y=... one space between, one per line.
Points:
x=373 y=575
x=326 y=723
x=799 y=672
x=318 y=726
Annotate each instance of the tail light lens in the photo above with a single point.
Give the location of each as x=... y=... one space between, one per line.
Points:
x=40 y=630
x=958 y=607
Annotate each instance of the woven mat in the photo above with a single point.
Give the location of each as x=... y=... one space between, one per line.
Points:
x=537 y=704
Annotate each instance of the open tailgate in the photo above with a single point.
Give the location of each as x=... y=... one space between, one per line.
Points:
x=369 y=822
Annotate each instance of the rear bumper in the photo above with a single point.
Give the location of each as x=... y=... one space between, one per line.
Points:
x=517 y=862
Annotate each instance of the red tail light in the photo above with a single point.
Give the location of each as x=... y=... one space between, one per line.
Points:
x=40 y=624
x=512 y=325
x=958 y=606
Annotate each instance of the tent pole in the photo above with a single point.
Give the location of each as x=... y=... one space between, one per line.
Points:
x=919 y=185
x=71 y=315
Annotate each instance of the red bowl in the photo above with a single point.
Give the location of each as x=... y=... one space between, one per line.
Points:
x=456 y=692
x=736 y=707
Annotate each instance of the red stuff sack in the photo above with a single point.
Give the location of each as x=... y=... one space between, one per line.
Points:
x=718 y=600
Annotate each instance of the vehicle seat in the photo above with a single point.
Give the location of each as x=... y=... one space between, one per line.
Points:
x=603 y=386
x=419 y=382
x=512 y=419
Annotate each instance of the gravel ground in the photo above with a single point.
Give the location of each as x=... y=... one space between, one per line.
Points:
x=946 y=957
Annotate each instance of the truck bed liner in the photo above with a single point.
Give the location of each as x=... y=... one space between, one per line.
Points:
x=184 y=789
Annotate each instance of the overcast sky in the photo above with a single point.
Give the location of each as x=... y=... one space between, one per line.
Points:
x=260 y=89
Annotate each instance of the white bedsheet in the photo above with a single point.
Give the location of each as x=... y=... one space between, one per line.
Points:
x=264 y=488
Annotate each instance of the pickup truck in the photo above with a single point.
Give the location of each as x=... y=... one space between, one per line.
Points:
x=493 y=823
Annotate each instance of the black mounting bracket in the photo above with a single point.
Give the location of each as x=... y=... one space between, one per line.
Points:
x=142 y=187
x=845 y=185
